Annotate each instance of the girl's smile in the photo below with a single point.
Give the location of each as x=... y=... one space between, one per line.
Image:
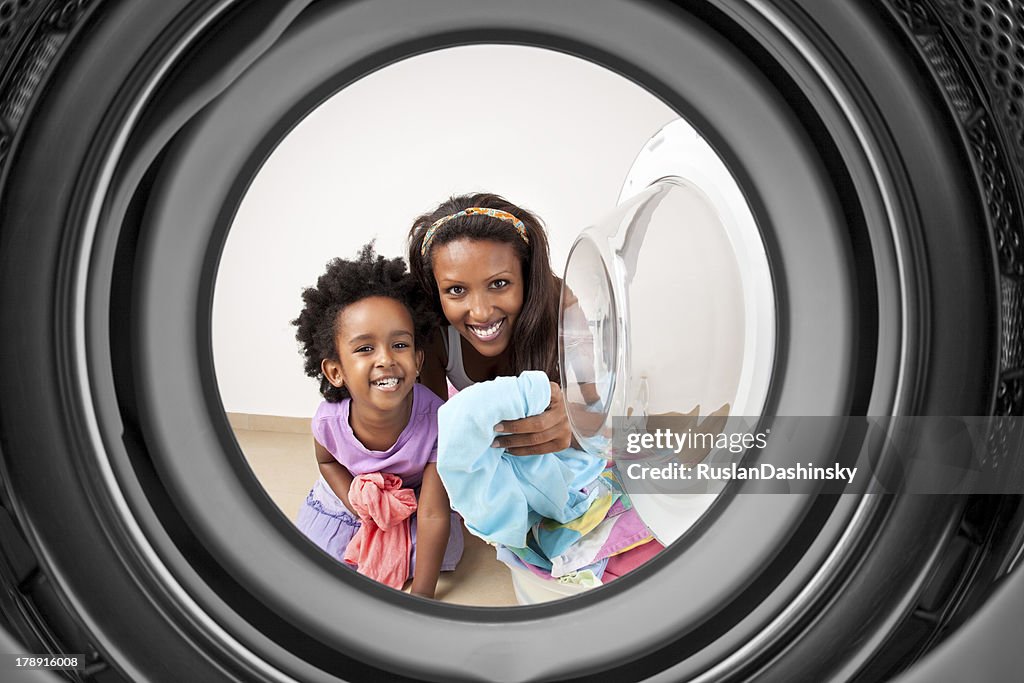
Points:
x=387 y=383
x=377 y=360
x=480 y=284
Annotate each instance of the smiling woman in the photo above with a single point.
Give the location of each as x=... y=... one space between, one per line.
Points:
x=481 y=290
x=485 y=263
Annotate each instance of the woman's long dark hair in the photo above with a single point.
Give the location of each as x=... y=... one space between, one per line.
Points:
x=534 y=344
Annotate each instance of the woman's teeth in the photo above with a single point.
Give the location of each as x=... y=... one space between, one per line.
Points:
x=488 y=332
x=387 y=383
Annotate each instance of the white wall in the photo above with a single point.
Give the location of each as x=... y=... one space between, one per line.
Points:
x=550 y=132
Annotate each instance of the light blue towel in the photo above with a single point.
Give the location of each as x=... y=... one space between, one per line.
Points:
x=500 y=496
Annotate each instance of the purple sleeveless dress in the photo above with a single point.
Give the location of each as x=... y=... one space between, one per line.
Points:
x=325 y=520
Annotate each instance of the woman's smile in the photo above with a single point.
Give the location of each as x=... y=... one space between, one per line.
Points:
x=489 y=332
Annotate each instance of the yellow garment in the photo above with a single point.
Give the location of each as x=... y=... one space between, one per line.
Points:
x=589 y=520
x=635 y=545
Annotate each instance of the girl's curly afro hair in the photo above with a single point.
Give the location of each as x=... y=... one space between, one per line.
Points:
x=344 y=283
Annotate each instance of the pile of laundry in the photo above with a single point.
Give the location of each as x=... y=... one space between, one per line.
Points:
x=562 y=516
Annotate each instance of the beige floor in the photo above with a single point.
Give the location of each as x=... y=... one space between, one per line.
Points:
x=284 y=464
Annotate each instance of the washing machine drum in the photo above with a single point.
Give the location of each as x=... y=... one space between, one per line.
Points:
x=878 y=144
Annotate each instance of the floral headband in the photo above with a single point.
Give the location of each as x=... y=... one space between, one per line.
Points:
x=474 y=210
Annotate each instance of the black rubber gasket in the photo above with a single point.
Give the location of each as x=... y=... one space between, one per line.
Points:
x=858 y=180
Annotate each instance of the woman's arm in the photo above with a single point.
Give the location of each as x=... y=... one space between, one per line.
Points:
x=334 y=473
x=433 y=525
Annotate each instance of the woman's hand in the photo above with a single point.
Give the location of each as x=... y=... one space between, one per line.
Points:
x=538 y=434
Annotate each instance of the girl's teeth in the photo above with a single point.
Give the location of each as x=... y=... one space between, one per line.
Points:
x=388 y=383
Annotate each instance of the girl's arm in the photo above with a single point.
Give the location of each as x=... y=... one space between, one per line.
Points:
x=334 y=473
x=433 y=525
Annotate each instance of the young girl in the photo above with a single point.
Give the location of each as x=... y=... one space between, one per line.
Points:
x=359 y=331
x=485 y=263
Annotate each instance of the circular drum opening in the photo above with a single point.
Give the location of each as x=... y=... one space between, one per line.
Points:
x=860 y=174
x=359 y=168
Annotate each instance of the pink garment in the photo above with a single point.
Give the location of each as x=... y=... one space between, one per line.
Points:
x=623 y=563
x=381 y=547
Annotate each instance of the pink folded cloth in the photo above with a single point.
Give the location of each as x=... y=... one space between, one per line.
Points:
x=623 y=563
x=381 y=547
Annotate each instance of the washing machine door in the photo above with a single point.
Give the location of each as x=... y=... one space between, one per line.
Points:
x=667 y=309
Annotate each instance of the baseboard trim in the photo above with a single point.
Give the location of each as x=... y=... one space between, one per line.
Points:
x=269 y=423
